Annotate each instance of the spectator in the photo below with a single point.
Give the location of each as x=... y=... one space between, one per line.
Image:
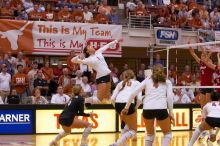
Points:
x=105 y=7
x=27 y=68
x=113 y=17
x=5 y=81
x=20 y=13
x=183 y=16
x=11 y=59
x=73 y=67
x=206 y=22
x=37 y=98
x=15 y=3
x=215 y=17
x=186 y=78
x=181 y=4
x=192 y=4
x=58 y=71
x=172 y=74
x=75 y=3
x=8 y=64
x=196 y=22
x=158 y=60
x=78 y=77
x=62 y=3
x=64 y=14
x=49 y=14
x=180 y=97
x=6 y=10
x=28 y=5
x=88 y=16
x=60 y=98
x=20 y=60
x=130 y=7
x=20 y=83
x=141 y=75
x=101 y=17
x=69 y=88
x=77 y=15
x=85 y=86
x=41 y=83
x=47 y=71
x=36 y=13
x=32 y=75
x=64 y=80
x=13 y=98
x=125 y=67
x=189 y=93
x=140 y=10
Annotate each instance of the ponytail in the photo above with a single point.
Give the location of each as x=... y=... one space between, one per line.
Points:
x=127 y=75
x=158 y=75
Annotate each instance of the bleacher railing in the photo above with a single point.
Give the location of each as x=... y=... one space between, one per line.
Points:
x=139 y=22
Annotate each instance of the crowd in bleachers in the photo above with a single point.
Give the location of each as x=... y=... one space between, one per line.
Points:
x=183 y=14
x=60 y=10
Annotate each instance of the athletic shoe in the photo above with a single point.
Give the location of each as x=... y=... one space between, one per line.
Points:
x=53 y=143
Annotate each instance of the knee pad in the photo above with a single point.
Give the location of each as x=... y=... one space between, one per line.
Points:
x=150 y=137
x=168 y=135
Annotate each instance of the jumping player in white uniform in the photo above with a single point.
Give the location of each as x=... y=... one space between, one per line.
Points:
x=75 y=107
x=211 y=112
x=158 y=98
x=119 y=99
x=96 y=61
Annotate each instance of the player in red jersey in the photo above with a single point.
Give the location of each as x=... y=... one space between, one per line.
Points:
x=206 y=75
x=206 y=79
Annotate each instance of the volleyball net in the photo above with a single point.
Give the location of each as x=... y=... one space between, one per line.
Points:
x=180 y=57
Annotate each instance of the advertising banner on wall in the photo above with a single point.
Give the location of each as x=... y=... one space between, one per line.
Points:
x=196 y=117
x=182 y=120
x=16 y=121
x=57 y=38
x=103 y=120
x=167 y=36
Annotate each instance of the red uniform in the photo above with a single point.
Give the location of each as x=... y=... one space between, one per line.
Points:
x=217 y=80
x=206 y=74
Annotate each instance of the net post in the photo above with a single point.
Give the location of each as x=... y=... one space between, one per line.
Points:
x=167 y=61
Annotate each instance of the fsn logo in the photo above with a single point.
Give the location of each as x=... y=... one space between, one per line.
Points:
x=167 y=34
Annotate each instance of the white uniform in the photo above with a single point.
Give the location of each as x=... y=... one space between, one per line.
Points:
x=212 y=109
x=98 y=63
x=155 y=98
x=122 y=96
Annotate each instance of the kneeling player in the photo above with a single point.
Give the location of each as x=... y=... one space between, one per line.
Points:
x=75 y=107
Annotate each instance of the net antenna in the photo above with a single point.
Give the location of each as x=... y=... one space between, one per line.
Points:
x=188 y=46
